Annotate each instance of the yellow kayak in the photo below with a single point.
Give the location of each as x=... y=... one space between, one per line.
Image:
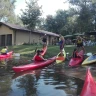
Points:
x=60 y=59
x=91 y=59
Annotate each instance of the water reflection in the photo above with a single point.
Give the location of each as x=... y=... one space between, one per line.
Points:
x=27 y=82
x=3 y=63
x=48 y=82
x=54 y=80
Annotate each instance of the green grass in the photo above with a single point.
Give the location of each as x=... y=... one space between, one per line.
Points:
x=28 y=50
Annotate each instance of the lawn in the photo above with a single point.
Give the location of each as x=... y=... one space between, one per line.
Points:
x=29 y=50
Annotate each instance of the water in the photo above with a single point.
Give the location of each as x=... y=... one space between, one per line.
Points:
x=54 y=80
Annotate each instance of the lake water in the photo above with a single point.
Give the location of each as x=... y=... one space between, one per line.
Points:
x=54 y=80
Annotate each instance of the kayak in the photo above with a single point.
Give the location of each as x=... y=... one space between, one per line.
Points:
x=89 y=87
x=35 y=65
x=77 y=61
x=8 y=55
x=89 y=60
x=43 y=53
x=60 y=59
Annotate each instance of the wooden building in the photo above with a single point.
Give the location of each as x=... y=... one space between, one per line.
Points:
x=11 y=34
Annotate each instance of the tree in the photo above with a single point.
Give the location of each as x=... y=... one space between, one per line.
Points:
x=85 y=16
x=31 y=15
x=50 y=24
x=57 y=22
x=7 y=11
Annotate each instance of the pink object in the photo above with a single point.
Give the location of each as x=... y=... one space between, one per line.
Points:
x=34 y=65
x=89 y=87
x=8 y=55
x=43 y=53
x=77 y=61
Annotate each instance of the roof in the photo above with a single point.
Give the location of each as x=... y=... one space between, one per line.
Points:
x=78 y=34
x=46 y=32
x=68 y=36
x=18 y=27
x=13 y=26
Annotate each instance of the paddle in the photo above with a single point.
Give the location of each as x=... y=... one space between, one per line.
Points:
x=35 y=50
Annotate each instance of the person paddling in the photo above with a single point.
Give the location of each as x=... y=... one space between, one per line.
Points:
x=44 y=40
x=4 y=50
x=79 y=43
x=61 y=44
x=38 y=56
x=75 y=54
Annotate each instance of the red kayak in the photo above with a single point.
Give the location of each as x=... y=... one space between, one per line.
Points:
x=89 y=88
x=8 y=55
x=77 y=61
x=43 y=53
x=34 y=65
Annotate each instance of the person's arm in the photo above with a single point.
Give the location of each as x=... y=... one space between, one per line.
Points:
x=42 y=57
x=78 y=55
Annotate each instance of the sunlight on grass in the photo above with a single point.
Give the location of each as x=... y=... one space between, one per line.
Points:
x=27 y=52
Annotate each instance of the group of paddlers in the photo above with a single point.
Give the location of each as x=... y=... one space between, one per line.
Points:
x=79 y=44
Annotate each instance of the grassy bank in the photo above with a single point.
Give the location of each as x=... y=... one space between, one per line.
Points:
x=28 y=50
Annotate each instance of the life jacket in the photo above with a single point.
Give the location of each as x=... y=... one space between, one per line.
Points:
x=60 y=42
x=4 y=50
x=44 y=39
x=79 y=41
x=38 y=58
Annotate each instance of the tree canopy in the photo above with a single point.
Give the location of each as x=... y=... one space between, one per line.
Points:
x=78 y=18
x=31 y=15
x=7 y=11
